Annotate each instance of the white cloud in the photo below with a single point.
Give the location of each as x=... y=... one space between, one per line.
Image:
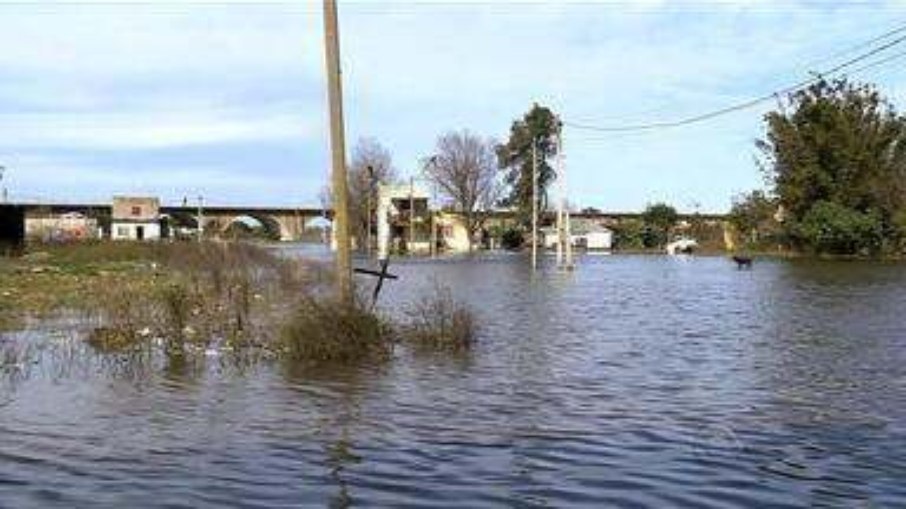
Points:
x=129 y=78
x=147 y=131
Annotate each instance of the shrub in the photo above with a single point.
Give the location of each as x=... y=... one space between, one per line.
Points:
x=324 y=330
x=629 y=234
x=439 y=322
x=512 y=238
x=834 y=229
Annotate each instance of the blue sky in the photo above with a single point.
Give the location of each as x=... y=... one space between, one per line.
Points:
x=227 y=98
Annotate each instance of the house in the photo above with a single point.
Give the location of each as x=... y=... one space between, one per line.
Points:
x=135 y=218
x=452 y=231
x=67 y=227
x=584 y=234
x=404 y=220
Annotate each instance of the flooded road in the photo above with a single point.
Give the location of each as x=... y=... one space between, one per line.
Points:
x=632 y=382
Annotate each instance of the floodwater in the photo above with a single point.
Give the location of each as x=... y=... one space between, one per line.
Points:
x=635 y=381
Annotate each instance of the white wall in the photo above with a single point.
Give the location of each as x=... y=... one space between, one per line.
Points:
x=129 y=231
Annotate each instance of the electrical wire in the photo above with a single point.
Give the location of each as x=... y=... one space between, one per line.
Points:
x=751 y=102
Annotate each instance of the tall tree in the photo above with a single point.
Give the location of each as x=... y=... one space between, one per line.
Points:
x=841 y=147
x=539 y=125
x=464 y=168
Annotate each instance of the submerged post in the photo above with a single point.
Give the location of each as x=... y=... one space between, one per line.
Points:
x=338 y=152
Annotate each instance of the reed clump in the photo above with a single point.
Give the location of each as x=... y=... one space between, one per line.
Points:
x=188 y=301
x=440 y=322
x=199 y=298
x=325 y=330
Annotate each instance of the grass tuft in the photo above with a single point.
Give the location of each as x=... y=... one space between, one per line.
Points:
x=439 y=322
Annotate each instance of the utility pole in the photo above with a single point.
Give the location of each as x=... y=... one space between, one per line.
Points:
x=433 y=211
x=338 y=151
x=409 y=246
x=567 y=226
x=534 y=203
x=200 y=218
x=564 y=206
x=370 y=171
x=561 y=233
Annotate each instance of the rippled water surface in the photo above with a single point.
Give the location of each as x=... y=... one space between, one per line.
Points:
x=632 y=382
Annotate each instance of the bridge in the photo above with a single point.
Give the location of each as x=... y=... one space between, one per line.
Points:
x=289 y=222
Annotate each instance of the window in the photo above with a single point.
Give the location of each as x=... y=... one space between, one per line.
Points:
x=136 y=211
x=122 y=231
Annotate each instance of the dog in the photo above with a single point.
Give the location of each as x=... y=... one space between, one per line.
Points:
x=742 y=262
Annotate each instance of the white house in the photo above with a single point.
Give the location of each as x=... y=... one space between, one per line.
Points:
x=585 y=234
x=135 y=218
x=404 y=219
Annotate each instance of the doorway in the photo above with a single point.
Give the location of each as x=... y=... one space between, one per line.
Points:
x=140 y=232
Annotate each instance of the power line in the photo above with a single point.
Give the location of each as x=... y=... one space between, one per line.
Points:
x=751 y=102
x=899 y=28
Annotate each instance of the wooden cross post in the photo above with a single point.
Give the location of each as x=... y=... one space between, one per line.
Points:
x=381 y=275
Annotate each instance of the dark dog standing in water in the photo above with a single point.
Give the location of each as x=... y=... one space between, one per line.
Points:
x=743 y=262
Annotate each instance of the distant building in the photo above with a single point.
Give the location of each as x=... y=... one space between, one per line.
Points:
x=67 y=227
x=135 y=218
x=404 y=220
x=452 y=232
x=585 y=234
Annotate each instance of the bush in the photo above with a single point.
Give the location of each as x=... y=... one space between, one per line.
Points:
x=325 y=330
x=439 y=322
x=512 y=238
x=628 y=234
x=831 y=228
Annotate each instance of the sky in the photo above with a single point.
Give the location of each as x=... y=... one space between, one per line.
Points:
x=227 y=99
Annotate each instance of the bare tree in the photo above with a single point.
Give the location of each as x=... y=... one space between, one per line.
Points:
x=464 y=168
x=371 y=165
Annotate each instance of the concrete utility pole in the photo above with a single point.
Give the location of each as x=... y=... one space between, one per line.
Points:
x=338 y=151
x=534 y=203
x=200 y=218
x=368 y=210
x=561 y=232
x=566 y=234
x=411 y=244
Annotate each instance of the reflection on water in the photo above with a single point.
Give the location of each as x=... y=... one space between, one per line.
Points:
x=634 y=381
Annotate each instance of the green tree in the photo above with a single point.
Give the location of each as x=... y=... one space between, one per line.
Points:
x=659 y=219
x=629 y=234
x=842 y=144
x=515 y=158
x=752 y=215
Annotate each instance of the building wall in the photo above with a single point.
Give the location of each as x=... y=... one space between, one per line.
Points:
x=136 y=209
x=129 y=231
x=452 y=232
x=599 y=240
x=62 y=228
